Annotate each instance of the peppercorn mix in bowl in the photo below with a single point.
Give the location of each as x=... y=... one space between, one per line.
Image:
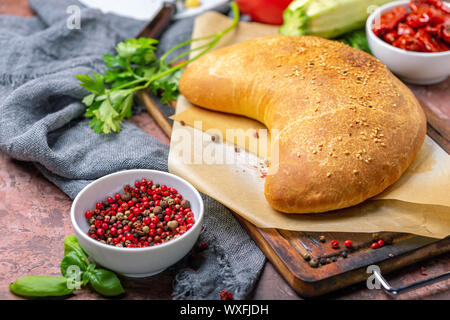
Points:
x=406 y=48
x=137 y=222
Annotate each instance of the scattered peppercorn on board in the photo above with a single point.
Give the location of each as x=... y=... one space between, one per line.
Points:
x=325 y=268
x=313 y=266
x=287 y=249
x=339 y=267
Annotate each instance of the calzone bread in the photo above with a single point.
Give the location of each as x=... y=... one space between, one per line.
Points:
x=347 y=127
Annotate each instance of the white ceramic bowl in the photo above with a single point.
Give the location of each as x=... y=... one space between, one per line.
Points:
x=414 y=67
x=135 y=262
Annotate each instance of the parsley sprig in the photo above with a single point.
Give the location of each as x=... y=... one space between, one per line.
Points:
x=135 y=67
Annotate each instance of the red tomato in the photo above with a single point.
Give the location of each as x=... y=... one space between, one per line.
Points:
x=265 y=11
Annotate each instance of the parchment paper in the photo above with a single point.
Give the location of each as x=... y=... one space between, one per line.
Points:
x=418 y=203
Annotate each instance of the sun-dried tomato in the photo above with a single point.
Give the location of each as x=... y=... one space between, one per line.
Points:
x=443 y=45
x=446 y=32
x=403 y=28
x=439 y=5
x=436 y=30
x=417 y=19
x=425 y=28
x=390 y=36
x=409 y=43
x=389 y=20
x=430 y=44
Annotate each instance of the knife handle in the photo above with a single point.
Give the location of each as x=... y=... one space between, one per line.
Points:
x=160 y=21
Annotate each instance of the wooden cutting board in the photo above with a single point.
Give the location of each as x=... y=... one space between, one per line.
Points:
x=285 y=249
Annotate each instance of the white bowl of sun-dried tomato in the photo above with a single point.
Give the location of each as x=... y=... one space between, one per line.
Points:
x=416 y=67
x=137 y=222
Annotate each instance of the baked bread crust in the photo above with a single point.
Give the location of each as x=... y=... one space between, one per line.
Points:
x=348 y=128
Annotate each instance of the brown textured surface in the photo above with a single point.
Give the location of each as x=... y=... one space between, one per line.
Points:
x=348 y=134
x=34 y=218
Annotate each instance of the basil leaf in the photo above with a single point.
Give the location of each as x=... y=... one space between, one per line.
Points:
x=71 y=244
x=105 y=282
x=71 y=259
x=41 y=286
x=85 y=278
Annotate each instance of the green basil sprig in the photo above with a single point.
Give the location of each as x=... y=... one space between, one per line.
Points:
x=76 y=272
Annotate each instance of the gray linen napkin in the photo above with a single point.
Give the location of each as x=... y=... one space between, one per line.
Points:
x=41 y=121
